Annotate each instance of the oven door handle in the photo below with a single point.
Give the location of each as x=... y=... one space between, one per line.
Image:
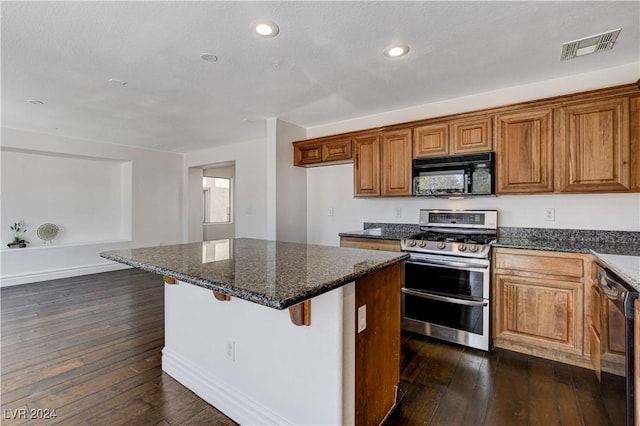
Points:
x=451 y=264
x=443 y=298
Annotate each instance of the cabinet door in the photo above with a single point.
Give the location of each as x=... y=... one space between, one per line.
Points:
x=366 y=168
x=470 y=136
x=338 y=150
x=307 y=153
x=524 y=146
x=540 y=313
x=431 y=141
x=593 y=150
x=396 y=163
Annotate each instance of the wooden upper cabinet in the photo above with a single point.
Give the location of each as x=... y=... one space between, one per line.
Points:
x=396 y=163
x=336 y=150
x=593 y=149
x=366 y=168
x=524 y=152
x=322 y=152
x=453 y=137
x=469 y=136
x=306 y=154
x=431 y=141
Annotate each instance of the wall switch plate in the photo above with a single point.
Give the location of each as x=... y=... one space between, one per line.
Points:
x=248 y=210
x=398 y=211
x=330 y=211
x=362 y=318
x=550 y=214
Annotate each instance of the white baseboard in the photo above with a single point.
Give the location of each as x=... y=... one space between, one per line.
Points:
x=224 y=398
x=54 y=274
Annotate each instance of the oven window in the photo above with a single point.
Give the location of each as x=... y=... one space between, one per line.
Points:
x=447 y=281
x=440 y=182
x=465 y=318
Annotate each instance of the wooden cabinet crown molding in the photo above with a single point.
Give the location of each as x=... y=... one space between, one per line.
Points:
x=631 y=89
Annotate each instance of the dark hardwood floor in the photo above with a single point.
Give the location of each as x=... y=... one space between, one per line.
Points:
x=88 y=350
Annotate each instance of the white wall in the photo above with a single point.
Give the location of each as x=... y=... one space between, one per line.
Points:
x=75 y=193
x=153 y=215
x=291 y=186
x=280 y=373
x=332 y=186
x=250 y=201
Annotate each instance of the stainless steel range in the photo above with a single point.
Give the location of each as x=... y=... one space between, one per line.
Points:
x=446 y=281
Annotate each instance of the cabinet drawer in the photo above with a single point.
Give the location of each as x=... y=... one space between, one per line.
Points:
x=370 y=244
x=556 y=265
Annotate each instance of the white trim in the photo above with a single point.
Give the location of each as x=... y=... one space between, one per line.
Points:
x=53 y=274
x=224 y=398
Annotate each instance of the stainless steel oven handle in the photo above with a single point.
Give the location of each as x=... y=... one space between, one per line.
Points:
x=443 y=298
x=445 y=263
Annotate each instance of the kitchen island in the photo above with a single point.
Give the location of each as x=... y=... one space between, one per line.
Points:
x=281 y=333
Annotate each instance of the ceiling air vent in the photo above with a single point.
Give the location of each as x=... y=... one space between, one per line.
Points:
x=588 y=45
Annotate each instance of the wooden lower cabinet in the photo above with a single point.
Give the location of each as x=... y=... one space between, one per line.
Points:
x=378 y=346
x=539 y=304
x=370 y=243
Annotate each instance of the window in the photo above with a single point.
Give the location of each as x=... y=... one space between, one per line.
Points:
x=217 y=199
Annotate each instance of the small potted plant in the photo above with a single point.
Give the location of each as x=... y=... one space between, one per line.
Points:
x=18 y=230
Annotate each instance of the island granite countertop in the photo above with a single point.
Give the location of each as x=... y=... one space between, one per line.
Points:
x=270 y=273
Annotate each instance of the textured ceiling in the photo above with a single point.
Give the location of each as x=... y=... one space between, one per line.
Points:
x=326 y=64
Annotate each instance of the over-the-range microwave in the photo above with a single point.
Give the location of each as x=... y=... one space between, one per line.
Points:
x=461 y=175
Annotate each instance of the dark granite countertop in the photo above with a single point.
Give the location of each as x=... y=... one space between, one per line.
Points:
x=376 y=234
x=567 y=245
x=270 y=273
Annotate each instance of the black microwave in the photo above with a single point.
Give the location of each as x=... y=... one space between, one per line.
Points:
x=460 y=175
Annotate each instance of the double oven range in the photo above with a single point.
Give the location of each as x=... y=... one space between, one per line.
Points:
x=447 y=278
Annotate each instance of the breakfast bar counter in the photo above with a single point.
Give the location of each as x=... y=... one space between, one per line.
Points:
x=334 y=358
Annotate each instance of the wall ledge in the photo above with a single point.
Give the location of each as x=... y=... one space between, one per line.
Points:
x=54 y=274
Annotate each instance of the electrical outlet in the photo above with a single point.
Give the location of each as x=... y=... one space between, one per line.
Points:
x=550 y=214
x=248 y=210
x=231 y=350
x=330 y=211
x=398 y=211
x=362 y=318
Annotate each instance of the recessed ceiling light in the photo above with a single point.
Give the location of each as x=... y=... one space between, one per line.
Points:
x=36 y=102
x=266 y=28
x=209 y=57
x=396 y=50
x=117 y=82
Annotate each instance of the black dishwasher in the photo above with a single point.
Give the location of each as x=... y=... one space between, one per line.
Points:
x=623 y=296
